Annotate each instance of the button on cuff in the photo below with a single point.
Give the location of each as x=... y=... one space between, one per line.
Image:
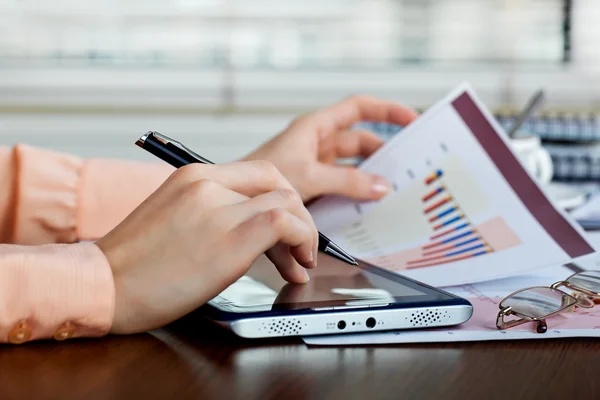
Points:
x=21 y=333
x=65 y=331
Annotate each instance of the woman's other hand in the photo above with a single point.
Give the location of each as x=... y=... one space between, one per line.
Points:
x=306 y=152
x=199 y=233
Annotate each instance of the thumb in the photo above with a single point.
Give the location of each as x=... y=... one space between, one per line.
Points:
x=351 y=182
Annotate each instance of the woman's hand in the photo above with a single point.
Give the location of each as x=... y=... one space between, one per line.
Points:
x=199 y=233
x=306 y=152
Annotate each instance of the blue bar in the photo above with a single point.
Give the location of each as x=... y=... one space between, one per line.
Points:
x=453 y=238
x=479 y=253
x=466 y=242
x=457 y=218
x=461 y=226
x=454 y=253
x=446 y=212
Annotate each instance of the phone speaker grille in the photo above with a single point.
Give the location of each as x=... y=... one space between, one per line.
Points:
x=282 y=327
x=427 y=317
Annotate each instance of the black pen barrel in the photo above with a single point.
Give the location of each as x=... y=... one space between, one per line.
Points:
x=168 y=153
x=323 y=242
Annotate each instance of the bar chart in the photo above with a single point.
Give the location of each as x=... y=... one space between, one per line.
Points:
x=463 y=208
x=455 y=238
x=455 y=222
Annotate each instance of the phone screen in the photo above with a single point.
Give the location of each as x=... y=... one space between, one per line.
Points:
x=333 y=283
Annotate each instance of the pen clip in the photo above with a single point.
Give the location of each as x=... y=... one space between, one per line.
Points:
x=167 y=140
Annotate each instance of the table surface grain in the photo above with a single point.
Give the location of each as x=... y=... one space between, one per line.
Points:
x=192 y=359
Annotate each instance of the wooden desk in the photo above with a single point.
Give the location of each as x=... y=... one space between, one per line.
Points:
x=194 y=360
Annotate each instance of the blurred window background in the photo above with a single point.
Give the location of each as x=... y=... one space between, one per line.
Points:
x=213 y=70
x=282 y=34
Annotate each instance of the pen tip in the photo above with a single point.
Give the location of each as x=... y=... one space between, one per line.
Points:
x=335 y=250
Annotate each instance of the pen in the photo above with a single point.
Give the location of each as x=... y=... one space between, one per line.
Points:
x=178 y=155
x=534 y=103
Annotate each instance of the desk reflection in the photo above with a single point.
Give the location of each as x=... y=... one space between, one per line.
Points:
x=107 y=368
x=260 y=369
x=193 y=359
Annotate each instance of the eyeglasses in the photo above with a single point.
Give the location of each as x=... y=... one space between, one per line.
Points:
x=535 y=304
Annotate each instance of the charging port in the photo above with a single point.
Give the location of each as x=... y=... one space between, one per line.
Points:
x=341 y=325
x=371 y=322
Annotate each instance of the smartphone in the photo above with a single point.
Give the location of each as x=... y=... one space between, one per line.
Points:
x=339 y=298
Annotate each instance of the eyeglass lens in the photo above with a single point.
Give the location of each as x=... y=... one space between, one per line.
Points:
x=538 y=302
x=588 y=280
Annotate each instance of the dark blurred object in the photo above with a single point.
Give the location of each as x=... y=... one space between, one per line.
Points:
x=566 y=126
x=528 y=112
x=575 y=162
x=572 y=137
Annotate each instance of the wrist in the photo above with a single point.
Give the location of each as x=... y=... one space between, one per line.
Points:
x=104 y=244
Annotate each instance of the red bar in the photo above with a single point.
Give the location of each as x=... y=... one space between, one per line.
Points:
x=438 y=226
x=443 y=233
x=452 y=246
x=433 y=176
x=448 y=260
x=433 y=193
x=444 y=248
x=436 y=205
x=426 y=259
x=441 y=262
x=430 y=245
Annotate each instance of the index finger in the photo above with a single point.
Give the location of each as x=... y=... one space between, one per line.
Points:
x=354 y=109
x=250 y=178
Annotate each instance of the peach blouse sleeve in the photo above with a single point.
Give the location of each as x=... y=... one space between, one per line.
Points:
x=54 y=281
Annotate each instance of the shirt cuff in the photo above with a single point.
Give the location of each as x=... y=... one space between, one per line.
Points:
x=46 y=197
x=60 y=198
x=57 y=290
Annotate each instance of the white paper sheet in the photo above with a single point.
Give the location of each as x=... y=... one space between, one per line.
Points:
x=588 y=215
x=485 y=298
x=463 y=207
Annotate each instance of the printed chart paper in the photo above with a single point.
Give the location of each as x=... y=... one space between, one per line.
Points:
x=463 y=208
x=485 y=298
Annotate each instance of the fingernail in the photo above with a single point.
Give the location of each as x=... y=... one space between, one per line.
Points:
x=306 y=277
x=380 y=186
x=311 y=263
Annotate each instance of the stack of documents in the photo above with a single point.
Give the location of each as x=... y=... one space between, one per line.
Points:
x=588 y=215
x=485 y=297
x=465 y=215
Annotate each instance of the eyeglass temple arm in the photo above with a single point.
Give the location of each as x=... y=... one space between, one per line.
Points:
x=502 y=324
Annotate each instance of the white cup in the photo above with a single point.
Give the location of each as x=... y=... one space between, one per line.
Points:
x=536 y=159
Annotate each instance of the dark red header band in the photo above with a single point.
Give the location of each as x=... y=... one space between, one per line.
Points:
x=530 y=194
